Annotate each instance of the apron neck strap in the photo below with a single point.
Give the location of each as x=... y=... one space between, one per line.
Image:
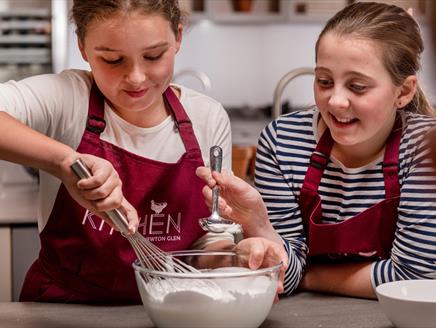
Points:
x=96 y=123
x=181 y=119
x=318 y=161
x=391 y=158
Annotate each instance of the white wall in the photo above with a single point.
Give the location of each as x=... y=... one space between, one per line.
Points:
x=244 y=62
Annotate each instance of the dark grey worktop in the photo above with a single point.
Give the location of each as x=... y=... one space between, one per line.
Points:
x=301 y=310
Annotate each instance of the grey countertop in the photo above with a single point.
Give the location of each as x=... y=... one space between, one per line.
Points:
x=301 y=310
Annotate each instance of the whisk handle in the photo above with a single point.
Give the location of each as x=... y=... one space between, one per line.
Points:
x=117 y=217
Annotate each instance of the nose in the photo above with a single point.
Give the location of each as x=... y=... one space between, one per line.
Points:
x=136 y=74
x=339 y=98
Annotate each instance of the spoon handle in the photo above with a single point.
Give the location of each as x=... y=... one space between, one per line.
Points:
x=216 y=158
x=216 y=161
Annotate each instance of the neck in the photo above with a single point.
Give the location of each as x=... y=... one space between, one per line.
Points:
x=148 y=117
x=351 y=158
x=358 y=155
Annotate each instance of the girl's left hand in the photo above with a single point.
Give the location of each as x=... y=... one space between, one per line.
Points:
x=262 y=253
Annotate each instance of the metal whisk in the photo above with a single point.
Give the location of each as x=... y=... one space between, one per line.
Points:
x=149 y=255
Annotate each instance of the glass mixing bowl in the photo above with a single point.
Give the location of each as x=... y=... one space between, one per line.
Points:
x=225 y=293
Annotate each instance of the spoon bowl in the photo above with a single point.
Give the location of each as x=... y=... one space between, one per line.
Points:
x=215 y=223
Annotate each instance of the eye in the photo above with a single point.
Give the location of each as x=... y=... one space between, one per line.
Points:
x=358 y=88
x=324 y=83
x=112 y=61
x=153 y=58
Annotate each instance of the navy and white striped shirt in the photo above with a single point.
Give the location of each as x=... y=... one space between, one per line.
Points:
x=284 y=149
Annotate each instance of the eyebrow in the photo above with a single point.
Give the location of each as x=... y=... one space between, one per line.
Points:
x=348 y=72
x=155 y=46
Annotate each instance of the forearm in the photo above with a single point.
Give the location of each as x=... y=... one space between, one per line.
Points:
x=350 y=279
x=262 y=229
x=258 y=224
x=20 y=144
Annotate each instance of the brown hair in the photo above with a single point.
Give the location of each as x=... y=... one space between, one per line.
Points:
x=84 y=12
x=398 y=36
x=433 y=22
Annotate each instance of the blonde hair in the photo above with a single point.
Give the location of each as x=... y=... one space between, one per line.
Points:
x=395 y=32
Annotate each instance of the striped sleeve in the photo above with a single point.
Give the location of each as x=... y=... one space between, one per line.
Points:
x=276 y=188
x=413 y=254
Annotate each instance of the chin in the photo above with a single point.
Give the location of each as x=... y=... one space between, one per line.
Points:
x=345 y=140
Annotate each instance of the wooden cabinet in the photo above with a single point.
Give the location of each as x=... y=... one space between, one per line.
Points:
x=19 y=239
x=6 y=267
x=19 y=247
x=243 y=158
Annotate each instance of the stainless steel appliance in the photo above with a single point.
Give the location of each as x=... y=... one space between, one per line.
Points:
x=33 y=40
x=33 y=36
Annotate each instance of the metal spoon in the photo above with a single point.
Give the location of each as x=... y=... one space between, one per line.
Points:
x=215 y=223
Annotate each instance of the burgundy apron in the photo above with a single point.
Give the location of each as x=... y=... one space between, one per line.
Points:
x=370 y=232
x=82 y=259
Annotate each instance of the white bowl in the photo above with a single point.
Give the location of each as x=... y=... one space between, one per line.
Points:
x=409 y=303
x=222 y=295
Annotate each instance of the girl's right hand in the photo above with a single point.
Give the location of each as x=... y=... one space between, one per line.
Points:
x=263 y=253
x=100 y=193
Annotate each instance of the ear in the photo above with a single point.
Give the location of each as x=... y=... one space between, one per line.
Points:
x=82 y=50
x=179 y=37
x=406 y=92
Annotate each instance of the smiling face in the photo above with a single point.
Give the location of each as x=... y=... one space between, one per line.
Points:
x=354 y=93
x=132 y=62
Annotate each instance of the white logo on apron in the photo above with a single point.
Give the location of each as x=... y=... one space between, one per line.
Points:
x=158 y=207
x=90 y=217
x=156 y=227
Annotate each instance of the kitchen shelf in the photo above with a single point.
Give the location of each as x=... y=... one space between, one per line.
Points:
x=283 y=11
x=25 y=33
x=30 y=24
x=223 y=12
x=25 y=39
x=26 y=12
x=320 y=11
x=25 y=56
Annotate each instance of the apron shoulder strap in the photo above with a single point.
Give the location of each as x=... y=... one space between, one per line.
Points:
x=318 y=162
x=182 y=121
x=95 y=122
x=391 y=159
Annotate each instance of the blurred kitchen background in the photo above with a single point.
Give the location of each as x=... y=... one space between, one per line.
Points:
x=254 y=56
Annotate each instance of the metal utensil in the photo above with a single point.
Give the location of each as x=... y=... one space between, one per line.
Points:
x=149 y=255
x=215 y=223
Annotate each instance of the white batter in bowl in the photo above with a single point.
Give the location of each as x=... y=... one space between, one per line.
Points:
x=233 y=295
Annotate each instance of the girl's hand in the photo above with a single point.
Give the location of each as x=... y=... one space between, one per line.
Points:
x=239 y=201
x=262 y=253
x=100 y=193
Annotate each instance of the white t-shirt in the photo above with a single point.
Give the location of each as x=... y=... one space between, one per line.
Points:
x=57 y=105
